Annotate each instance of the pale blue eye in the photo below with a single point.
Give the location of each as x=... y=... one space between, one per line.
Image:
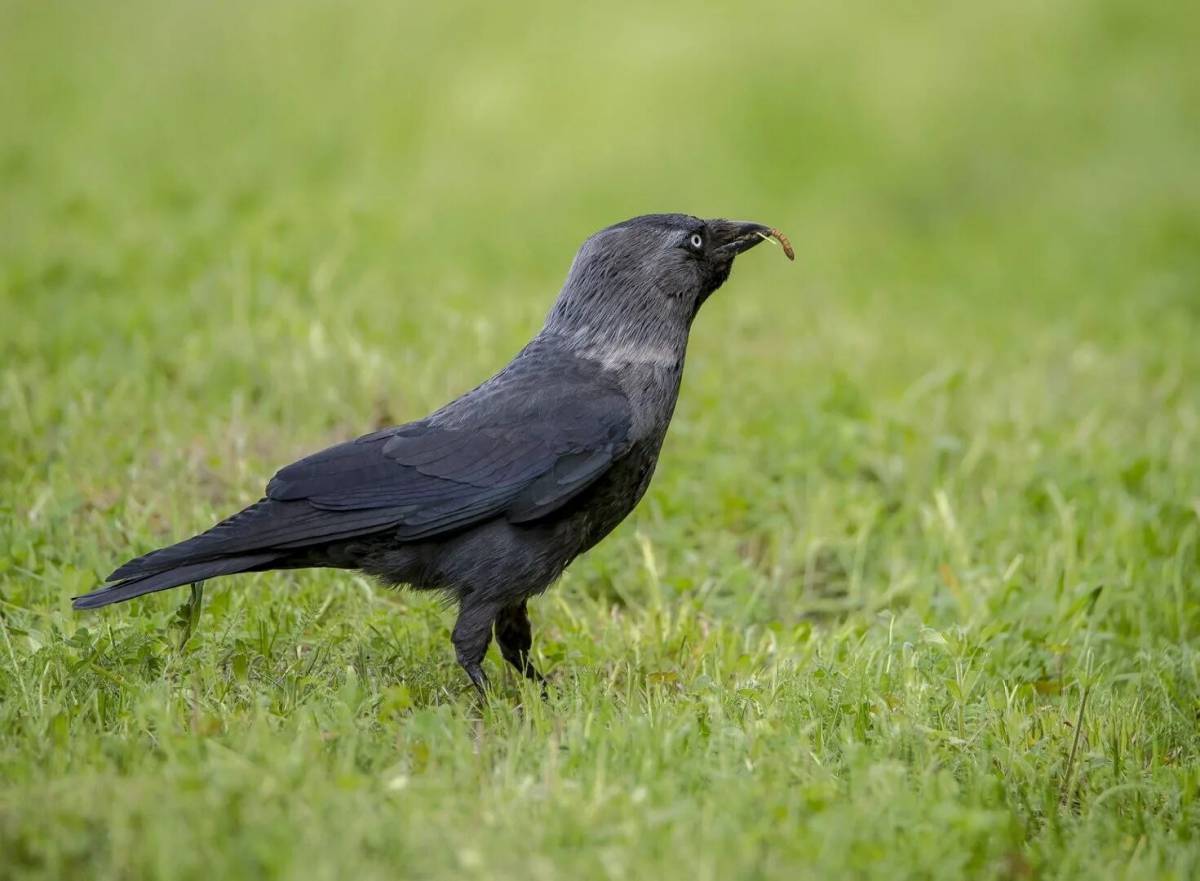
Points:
x=696 y=241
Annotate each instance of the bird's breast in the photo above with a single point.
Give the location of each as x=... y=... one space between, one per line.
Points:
x=652 y=391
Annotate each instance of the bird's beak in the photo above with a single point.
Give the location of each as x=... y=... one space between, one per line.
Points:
x=732 y=237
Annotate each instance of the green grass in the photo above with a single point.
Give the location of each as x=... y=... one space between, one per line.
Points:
x=914 y=593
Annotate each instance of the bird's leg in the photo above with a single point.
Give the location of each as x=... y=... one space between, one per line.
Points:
x=515 y=637
x=472 y=634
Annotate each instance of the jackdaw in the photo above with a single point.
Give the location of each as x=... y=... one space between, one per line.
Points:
x=492 y=496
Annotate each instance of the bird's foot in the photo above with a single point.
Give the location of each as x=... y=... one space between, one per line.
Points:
x=478 y=679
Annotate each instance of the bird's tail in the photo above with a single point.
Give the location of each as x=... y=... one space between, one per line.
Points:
x=231 y=546
x=269 y=534
x=188 y=573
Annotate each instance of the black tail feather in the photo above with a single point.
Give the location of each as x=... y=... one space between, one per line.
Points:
x=265 y=525
x=179 y=575
x=212 y=544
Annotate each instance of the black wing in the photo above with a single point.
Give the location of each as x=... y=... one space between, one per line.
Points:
x=520 y=446
x=433 y=480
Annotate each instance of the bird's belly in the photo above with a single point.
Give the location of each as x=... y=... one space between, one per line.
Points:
x=598 y=511
x=510 y=561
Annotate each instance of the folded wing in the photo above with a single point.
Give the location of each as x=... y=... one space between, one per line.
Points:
x=521 y=449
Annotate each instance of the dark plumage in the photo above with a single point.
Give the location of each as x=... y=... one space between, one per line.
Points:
x=493 y=495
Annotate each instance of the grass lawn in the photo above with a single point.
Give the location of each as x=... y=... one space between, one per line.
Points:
x=916 y=591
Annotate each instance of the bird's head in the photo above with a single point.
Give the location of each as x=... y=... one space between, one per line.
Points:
x=649 y=276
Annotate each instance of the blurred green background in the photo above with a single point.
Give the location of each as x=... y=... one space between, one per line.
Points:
x=926 y=487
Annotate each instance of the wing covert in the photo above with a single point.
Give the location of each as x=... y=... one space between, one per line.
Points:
x=519 y=456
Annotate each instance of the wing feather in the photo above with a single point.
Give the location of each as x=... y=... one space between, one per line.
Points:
x=520 y=447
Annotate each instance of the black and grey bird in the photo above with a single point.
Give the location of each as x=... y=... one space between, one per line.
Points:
x=492 y=496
